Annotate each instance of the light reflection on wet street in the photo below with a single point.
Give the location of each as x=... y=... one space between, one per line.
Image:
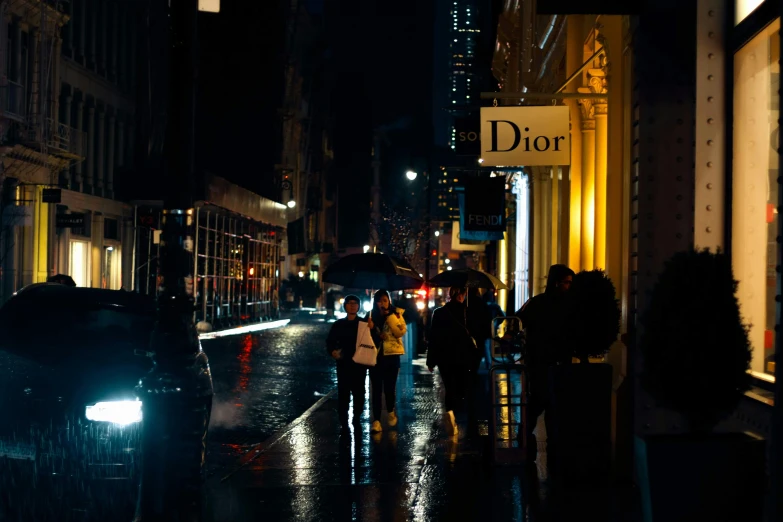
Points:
x=263 y=381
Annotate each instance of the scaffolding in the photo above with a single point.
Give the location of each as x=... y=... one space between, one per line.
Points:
x=236 y=266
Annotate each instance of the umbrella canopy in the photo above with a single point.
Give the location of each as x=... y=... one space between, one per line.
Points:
x=467 y=277
x=373 y=271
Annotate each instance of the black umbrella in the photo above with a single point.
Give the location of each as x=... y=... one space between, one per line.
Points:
x=372 y=271
x=467 y=277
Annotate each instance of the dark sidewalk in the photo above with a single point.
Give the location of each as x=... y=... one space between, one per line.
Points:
x=308 y=471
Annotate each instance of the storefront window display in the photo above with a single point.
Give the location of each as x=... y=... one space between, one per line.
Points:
x=755 y=189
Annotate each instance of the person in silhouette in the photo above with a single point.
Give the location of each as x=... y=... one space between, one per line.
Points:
x=453 y=351
x=542 y=318
x=387 y=326
x=341 y=345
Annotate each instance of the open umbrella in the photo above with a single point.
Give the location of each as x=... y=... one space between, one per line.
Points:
x=467 y=277
x=372 y=271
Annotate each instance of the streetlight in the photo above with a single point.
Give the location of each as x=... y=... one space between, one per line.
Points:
x=366 y=248
x=437 y=233
x=411 y=175
x=291 y=204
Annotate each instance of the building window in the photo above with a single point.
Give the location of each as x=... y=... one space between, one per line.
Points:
x=80 y=263
x=755 y=189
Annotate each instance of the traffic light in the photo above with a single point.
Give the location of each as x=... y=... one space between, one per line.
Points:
x=434 y=252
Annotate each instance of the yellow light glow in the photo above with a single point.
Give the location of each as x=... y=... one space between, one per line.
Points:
x=588 y=199
x=742 y=8
x=503 y=272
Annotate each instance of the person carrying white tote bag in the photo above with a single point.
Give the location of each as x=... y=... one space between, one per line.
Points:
x=366 y=353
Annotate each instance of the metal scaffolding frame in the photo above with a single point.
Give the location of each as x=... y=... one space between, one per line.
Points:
x=236 y=266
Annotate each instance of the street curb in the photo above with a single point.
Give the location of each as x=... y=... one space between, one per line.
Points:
x=261 y=447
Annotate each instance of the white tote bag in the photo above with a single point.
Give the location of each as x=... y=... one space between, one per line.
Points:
x=366 y=352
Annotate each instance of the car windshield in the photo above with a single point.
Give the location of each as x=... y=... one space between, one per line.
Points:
x=49 y=324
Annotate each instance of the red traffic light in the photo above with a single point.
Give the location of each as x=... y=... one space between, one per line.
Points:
x=434 y=252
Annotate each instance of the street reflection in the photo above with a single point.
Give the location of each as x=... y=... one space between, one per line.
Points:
x=249 y=342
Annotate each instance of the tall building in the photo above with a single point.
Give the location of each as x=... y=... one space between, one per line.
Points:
x=464 y=34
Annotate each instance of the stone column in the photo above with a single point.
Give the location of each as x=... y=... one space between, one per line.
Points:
x=91 y=56
x=32 y=70
x=99 y=157
x=115 y=31
x=122 y=50
x=69 y=31
x=82 y=136
x=90 y=137
x=104 y=50
x=83 y=31
x=132 y=73
x=130 y=160
x=601 y=161
x=16 y=57
x=120 y=143
x=67 y=122
x=110 y=159
x=588 y=193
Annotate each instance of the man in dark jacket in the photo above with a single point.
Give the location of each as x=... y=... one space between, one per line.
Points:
x=341 y=345
x=542 y=318
x=453 y=351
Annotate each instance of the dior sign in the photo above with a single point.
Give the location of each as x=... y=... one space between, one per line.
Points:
x=525 y=136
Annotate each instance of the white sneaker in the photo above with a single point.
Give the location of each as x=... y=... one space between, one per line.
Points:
x=451 y=424
x=376 y=427
x=392 y=420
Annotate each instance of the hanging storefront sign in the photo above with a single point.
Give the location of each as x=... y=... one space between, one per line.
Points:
x=482 y=206
x=458 y=243
x=467 y=137
x=72 y=220
x=525 y=136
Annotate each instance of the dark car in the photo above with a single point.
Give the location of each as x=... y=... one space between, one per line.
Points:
x=70 y=359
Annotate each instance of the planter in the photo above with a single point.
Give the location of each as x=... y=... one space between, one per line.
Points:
x=581 y=422
x=715 y=477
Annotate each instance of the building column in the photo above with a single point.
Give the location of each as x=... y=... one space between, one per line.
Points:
x=69 y=30
x=67 y=122
x=93 y=46
x=115 y=8
x=41 y=230
x=89 y=184
x=32 y=70
x=84 y=145
x=120 y=143
x=555 y=220
x=104 y=50
x=99 y=153
x=83 y=32
x=96 y=237
x=130 y=159
x=537 y=245
x=588 y=194
x=56 y=87
x=601 y=156
x=110 y=159
x=16 y=57
x=574 y=60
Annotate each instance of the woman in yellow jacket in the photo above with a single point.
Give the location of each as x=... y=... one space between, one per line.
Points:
x=387 y=326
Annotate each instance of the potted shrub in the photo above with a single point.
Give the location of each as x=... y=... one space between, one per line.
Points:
x=695 y=355
x=581 y=394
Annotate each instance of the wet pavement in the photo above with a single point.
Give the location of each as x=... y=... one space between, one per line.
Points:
x=276 y=453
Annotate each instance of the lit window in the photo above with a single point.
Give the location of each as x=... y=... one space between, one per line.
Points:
x=755 y=189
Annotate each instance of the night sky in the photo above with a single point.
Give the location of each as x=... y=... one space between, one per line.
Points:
x=376 y=60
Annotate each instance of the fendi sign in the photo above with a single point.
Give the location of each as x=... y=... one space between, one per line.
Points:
x=525 y=136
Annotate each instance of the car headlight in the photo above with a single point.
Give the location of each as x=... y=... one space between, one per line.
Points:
x=117 y=412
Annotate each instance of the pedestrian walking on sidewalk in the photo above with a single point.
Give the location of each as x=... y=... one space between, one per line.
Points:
x=387 y=326
x=543 y=320
x=341 y=345
x=453 y=351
